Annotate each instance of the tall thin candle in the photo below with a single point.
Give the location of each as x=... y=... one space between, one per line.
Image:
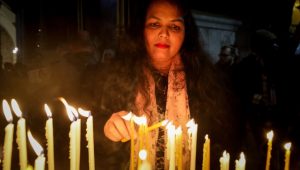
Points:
x=224 y=161
x=270 y=137
x=89 y=136
x=129 y=117
x=49 y=137
x=192 y=131
x=8 y=139
x=287 y=147
x=21 y=135
x=206 y=154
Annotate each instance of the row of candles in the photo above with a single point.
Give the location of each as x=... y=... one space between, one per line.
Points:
x=174 y=142
x=74 y=134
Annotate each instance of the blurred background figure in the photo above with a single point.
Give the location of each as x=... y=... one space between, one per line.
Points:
x=228 y=56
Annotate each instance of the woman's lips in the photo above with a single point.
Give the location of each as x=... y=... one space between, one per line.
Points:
x=160 y=45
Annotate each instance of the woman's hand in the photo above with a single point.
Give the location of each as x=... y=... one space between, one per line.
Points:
x=117 y=128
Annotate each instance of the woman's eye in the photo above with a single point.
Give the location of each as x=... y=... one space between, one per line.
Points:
x=153 y=25
x=174 y=27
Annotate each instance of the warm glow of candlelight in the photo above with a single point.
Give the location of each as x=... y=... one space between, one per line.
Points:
x=140 y=120
x=143 y=154
x=178 y=148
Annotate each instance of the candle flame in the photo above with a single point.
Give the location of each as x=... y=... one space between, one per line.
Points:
x=178 y=130
x=7 y=111
x=288 y=146
x=190 y=123
x=143 y=154
x=85 y=113
x=48 y=111
x=16 y=108
x=206 y=137
x=74 y=111
x=140 y=120
x=163 y=123
x=242 y=160
x=128 y=116
x=69 y=111
x=169 y=125
x=270 y=135
x=35 y=145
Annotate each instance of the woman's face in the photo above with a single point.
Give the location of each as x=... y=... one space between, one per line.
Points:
x=164 y=31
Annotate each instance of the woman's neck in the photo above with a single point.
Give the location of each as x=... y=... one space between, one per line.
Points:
x=162 y=67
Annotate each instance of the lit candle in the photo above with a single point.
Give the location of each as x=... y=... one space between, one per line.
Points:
x=49 y=137
x=192 y=132
x=241 y=163
x=78 y=136
x=129 y=117
x=89 y=136
x=72 y=135
x=224 y=161
x=142 y=133
x=270 y=137
x=178 y=136
x=8 y=139
x=145 y=164
x=21 y=135
x=287 y=147
x=206 y=154
x=171 y=145
x=39 y=163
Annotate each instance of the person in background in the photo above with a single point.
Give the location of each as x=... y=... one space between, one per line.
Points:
x=162 y=72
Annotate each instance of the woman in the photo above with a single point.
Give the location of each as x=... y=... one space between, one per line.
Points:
x=169 y=77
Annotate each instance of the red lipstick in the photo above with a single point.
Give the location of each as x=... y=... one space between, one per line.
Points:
x=160 y=45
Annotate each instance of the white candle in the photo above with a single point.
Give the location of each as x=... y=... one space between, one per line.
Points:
x=72 y=136
x=192 y=131
x=8 y=139
x=89 y=136
x=49 y=137
x=39 y=163
x=78 y=136
x=224 y=161
x=241 y=163
x=171 y=145
x=270 y=137
x=287 y=147
x=206 y=154
x=21 y=135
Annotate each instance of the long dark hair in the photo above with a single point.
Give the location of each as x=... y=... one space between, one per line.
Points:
x=208 y=99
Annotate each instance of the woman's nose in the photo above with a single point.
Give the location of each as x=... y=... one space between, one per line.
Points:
x=164 y=33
